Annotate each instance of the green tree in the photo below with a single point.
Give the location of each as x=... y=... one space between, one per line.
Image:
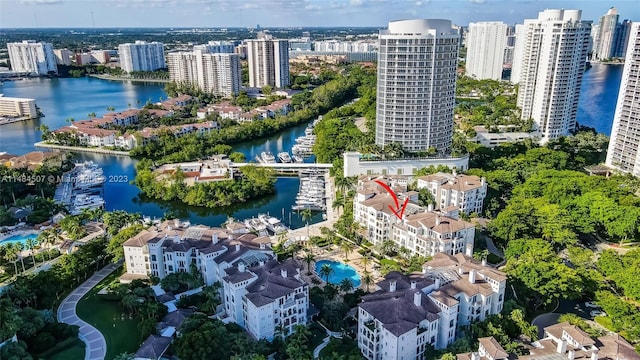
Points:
x=326 y=271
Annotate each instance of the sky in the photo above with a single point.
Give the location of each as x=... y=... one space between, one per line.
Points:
x=283 y=13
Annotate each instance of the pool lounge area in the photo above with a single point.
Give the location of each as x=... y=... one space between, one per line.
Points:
x=17 y=238
x=340 y=272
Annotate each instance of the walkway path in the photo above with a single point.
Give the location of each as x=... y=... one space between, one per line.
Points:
x=96 y=348
x=493 y=248
x=325 y=342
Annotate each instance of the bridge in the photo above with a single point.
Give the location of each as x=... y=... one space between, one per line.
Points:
x=287 y=166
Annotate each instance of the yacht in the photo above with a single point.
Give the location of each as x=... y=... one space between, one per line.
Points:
x=267 y=157
x=88 y=175
x=297 y=159
x=84 y=201
x=273 y=224
x=284 y=157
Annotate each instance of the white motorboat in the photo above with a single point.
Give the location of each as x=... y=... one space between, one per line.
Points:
x=267 y=157
x=284 y=157
x=297 y=159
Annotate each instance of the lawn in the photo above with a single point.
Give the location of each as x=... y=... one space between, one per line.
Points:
x=343 y=346
x=74 y=352
x=317 y=335
x=606 y=322
x=120 y=333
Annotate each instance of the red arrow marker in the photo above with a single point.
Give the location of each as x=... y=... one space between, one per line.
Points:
x=398 y=211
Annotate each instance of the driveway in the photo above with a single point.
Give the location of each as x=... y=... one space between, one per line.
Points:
x=96 y=346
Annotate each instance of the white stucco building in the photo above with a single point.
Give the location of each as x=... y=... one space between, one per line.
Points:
x=486 y=44
x=551 y=52
x=605 y=47
x=410 y=311
x=224 y=47
x=417 y=62
x=466 y=192
x=624 y=146
x=216 y=73
x=268 y=61
x=141 y=56
x=32 y=57
x=18 y=107
x=421 y=230
x=355 y=164
x=267 y=298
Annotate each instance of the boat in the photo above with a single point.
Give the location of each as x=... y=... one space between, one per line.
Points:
x=88 y=175
x=273 y=224
x=284 y=157
x=297 y=159
x=84 y=201
x=267 y=157
x=255 y=225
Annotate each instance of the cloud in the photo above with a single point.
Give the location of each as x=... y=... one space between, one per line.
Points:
x=41 y=2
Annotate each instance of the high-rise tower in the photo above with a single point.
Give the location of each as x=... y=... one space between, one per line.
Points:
x=624 y=145
x=486 y=43
x=417 y=62
x=551 y=52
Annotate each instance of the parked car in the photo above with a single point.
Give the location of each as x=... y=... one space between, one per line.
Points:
x=595 y=313
x=592 y=305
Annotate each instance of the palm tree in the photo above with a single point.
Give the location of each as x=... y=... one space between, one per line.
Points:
x=346 y=285
x=11 y=255
x=367 y=279
x=20 y=247
x=326 y=271
x=347 y=247
x=306 y=216
x=31 y=245
x=338 y=203
x=366 y=260
x=309 y=258
x=123 y=356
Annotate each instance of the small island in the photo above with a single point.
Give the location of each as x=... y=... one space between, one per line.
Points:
x=209 y=183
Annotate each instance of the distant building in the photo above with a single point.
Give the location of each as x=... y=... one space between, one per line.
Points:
x=621 y=40
x=18 y=107
x=486 y=43
x=141 y=56
x=93 y=57
x=268 y=62
x=32 y=57
x=624 y=145
x=302 y=44
x=224 y=47
x=548 y=66
x=217 y=73
x=63 y=56
x=607 y=26
x=416 y=84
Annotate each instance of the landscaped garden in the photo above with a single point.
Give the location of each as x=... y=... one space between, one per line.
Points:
x=120 y=332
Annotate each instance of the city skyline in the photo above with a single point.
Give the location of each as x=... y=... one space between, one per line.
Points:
x=281 y=13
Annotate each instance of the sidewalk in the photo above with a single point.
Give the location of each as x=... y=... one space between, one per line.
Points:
x=96 y=346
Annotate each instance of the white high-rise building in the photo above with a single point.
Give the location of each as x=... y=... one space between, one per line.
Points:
x=218 y=73
x=141 y=56
x=604 y=48
x=486 y=43
x=550 y=56
x=268 y=62
x=624 y=146
x=225 y=47
x=417 y=62
x=30 y=56
x=63 y=56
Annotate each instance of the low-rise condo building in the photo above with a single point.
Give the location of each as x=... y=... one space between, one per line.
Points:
x=467 y=192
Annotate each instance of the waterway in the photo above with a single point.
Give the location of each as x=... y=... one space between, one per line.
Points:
x=598 y=96
x=60 y=99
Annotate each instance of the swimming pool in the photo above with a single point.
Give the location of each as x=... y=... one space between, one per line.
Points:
x=21 y=238
x=340 y=271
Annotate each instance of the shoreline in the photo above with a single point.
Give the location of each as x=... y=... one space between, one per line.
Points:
x=42 y=144
x=118 y=78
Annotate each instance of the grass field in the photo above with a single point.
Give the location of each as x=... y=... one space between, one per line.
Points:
x=120 y=333
x=72 y=353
